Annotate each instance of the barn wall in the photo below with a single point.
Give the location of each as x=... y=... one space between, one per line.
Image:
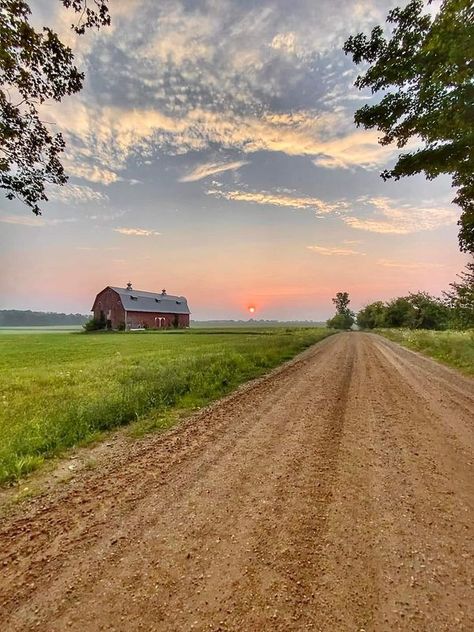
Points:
x=150 y=319
x=110 y=304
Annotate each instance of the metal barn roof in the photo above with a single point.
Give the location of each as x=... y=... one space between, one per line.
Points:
x=139 y=301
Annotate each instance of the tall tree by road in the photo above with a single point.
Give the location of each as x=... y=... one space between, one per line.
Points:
x=425 y=71
x=344 y=317
x=35 y=66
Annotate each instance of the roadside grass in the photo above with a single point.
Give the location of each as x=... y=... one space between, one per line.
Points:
x=455 y=348
x=63 y=390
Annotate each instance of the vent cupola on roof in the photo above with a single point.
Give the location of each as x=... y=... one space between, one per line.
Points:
x=129 y=286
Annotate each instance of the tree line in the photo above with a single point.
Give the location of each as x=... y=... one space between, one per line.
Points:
x=28 y=318
x=417 y=310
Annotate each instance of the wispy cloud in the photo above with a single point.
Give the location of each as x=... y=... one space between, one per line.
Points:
x=383 y=215
x=210 y=169
x=409 y=265
x=280 y=199
x=23 y=220
x=334 y=251
x=31 y=220
x=137 y=232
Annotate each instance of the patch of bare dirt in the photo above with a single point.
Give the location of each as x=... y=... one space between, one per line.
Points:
x=335 y=494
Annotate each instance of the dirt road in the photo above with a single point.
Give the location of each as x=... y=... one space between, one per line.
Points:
x=336 y=494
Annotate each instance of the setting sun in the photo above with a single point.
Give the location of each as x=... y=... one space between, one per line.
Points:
x=252 y=309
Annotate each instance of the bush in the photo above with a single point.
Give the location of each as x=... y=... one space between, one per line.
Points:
x=95 y=324
x=340 y=321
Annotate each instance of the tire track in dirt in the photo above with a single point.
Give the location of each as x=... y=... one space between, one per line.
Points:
x=334 y=494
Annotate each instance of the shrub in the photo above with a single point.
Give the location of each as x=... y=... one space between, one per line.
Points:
x=94 y=324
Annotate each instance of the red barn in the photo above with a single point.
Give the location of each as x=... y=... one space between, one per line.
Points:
x=132 y=309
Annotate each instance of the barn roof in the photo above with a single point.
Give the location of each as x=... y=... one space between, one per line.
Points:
x=139 y=301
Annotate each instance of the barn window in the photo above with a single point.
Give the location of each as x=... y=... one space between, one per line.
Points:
x=178 y=302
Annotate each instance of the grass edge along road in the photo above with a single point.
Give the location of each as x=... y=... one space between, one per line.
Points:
x=453 y=348
x=61 y=391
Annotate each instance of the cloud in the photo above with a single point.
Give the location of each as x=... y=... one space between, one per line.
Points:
x=76 y=194
x=409 y=265
x=279 y=199
x=174 y=77
x=102 y=139
x=286 y=42
x=355 y=149
x=372 y=214
x=334 y=251
x=23 y=220
x=209 y=169
x=92 y=173
x=137 y=232
x=35 y=221
x=388 y=216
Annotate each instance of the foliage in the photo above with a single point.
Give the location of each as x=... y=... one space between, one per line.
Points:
x=425 y=71
x=460 y=299
x=35 y=66
x=399 y=312
x=344 y=317
x=59 y=390
x=454 y=348
x=430 y=312
x=371 y=316
x=415 y=311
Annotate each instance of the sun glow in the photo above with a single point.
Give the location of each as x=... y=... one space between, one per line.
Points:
x=252 y=309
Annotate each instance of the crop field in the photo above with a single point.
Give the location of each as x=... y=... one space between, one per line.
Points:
x=63 y=389
x=455 y=348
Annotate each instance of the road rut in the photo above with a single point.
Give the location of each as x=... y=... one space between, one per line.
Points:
x=335 y=494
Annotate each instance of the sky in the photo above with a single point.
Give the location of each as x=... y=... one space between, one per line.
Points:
x=212 y=152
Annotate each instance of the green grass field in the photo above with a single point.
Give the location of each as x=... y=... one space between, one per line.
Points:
x=59 y=390
x=455 y=348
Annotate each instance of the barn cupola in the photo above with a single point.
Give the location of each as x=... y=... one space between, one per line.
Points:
x=163 y=292
x=129 y=286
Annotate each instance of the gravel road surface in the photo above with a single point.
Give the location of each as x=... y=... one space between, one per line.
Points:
x=335 y=494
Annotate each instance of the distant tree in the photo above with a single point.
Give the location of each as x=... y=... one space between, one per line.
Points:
x=35 y=66
x=344 y=317
x=425 y=71
x=372 y=316
x=460 y=299
x=342 y=302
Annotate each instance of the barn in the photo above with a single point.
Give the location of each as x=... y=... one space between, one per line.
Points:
x=132 y=309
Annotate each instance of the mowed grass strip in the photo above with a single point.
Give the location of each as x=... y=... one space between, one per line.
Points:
x=62 y=390
x=455 y=348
